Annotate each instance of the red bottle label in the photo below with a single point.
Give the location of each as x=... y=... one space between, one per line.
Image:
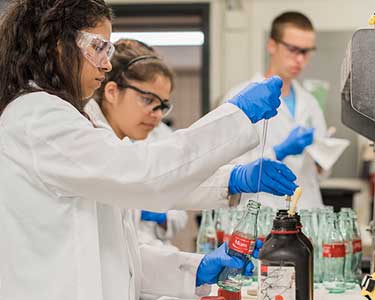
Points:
x=220 y=235
x=241 y=245
x=357 y=246
x=334 y=250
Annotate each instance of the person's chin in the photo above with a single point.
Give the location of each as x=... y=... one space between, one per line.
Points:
x=87 y=94
x=294 y=73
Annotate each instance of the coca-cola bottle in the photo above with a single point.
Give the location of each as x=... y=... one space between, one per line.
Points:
x=206 y=240
x=357 y=245
x=346 y=229
x=241 y=245
x=333 y=256
x=221 y=223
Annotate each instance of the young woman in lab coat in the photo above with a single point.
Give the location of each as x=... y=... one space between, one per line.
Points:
x=137 y=123
x=56 y=167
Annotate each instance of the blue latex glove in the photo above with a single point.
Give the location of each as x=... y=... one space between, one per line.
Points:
x=212 y=264
x=276 y=178
x=260 y=100
x=159 y=218
x=298 y=139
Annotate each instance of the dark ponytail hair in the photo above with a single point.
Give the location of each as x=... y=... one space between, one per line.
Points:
x=134 y=60
x=38 y=43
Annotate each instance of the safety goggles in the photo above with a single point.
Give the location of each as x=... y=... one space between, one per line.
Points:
x=150 y=101
x=97 y=50
x=295 y=50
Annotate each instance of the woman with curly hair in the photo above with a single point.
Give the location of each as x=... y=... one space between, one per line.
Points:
x=56 y=166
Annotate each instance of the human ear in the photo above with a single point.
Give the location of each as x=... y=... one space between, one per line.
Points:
x=271 y=46
x=111 y=92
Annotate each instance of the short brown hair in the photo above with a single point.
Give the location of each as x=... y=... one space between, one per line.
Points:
x=123 y=69
x=292 y=18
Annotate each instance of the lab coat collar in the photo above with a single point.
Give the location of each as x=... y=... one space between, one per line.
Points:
x=97 y=118
x=93 y=110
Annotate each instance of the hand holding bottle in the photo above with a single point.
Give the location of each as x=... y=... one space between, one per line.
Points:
x=213 y=263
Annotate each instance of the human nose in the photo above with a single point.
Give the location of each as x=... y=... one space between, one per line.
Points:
x=106 y=65
x=301 y=57
x=158 y=114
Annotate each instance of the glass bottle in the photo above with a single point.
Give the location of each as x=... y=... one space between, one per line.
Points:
x=308 y=230
x=357 y=246
x=346 y=229
x=232 y=222
x=206 y=240
x=333 y=256
x=321 y=232
x=221 y=222
x=241 y=245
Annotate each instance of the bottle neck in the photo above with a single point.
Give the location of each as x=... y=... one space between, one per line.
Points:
x=207 y=218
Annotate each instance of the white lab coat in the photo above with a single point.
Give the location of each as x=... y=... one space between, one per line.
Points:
x=151 y=233
x=308 y=114
x=56 y=168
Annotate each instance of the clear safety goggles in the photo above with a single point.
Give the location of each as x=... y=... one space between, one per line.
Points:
x=97 y=50
x=150 y=101
x=295 y=50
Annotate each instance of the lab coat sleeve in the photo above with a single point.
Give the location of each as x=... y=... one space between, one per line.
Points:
x=170 y=273
x=74 y=159
x=212 y=193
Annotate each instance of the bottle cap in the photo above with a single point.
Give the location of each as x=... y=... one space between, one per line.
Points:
x=284 y=212
x=228 y=295
x=284 y=224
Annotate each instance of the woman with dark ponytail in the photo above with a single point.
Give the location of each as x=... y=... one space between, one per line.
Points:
x=56 y=167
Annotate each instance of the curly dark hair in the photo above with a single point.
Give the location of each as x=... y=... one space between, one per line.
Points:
x=38 y=43
x=129 y=51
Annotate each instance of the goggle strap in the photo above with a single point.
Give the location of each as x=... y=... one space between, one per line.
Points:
x=139 y=58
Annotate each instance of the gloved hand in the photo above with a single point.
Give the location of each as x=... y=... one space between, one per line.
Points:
x=260 y=100
x=212 y=264
x=298 y=139
x=159 y=218
x=276 y=178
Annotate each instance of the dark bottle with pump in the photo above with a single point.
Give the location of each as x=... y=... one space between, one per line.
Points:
x=282 y=213
x=285 y=263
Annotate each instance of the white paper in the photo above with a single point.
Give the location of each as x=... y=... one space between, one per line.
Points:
x=326 y=151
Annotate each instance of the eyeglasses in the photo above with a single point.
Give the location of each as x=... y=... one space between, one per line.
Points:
x=97 y=50
x=295 y=50
x=150 y=101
